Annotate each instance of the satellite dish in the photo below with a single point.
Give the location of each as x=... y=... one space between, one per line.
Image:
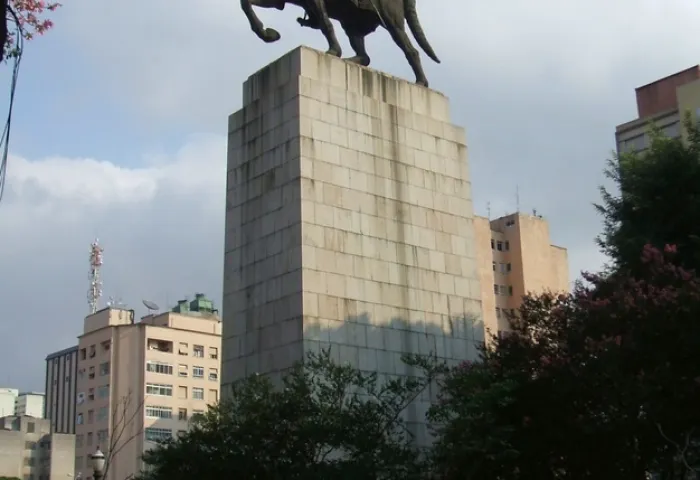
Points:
x=151 y=306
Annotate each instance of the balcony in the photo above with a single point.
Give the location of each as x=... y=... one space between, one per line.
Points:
x=164 y=346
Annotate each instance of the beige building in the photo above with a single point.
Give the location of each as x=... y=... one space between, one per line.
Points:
x=140 y=382
x=663 y=102
x=30 y=452
x=515 y=257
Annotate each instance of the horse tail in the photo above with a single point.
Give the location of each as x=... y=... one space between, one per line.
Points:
x=417 y=30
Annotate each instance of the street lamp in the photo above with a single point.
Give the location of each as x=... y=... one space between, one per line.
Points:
x=98 y=464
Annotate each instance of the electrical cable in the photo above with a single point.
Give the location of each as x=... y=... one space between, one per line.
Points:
x=5 y=138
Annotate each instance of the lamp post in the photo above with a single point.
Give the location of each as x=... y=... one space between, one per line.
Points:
x=98 y=464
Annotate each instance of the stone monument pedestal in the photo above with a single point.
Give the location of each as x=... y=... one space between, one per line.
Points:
x=349 y=223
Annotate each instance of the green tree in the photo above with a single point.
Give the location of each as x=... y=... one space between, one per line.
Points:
x=585 y=385
x=656 y=202
x=328 y=421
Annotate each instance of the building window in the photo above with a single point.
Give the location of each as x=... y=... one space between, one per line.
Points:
x=91 y=394
x=158 y=389
x=154 y=411
x=197 y=393
x=504 y=268
x=102 y=437
x=213 y=353
x=495 y=289
x=91 y=416
x=91 y=372
x=103 y=391
x=213 y=396
x=31 y=427
x=159 y=367
x=182 y=414
x=106 y=345
x=182 y=350
x=498 y=312
x=197 y=413
x=182 y=370
x=198 y=351
x=102 y=413
x=91 y=354
x=158 y=434
x=503 y=290
x=493 y=244
x=494 y=266
x=182 y=392
x=510 y=290
x=213 y=374
x=79 y=419
x=507 y=245
x=89 y=439
x=104 y=368
x=510 y=223
x=83 y=354
x=198 y=372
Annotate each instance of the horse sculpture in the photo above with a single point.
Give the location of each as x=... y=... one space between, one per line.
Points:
x=358 y=19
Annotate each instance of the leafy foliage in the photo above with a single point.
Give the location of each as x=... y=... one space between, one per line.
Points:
x=581 y=387
x=28 y=19
x=657 y=202
x=328 y=421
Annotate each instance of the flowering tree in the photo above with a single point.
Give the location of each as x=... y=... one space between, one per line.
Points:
x=601 y=383
x=27 y=18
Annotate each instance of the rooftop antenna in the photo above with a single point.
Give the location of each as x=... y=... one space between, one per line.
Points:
x=95 y=290
x=151 y=306
x=488 y=210
x=517 y=198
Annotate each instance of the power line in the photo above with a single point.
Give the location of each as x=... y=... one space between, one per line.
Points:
x=5 y=138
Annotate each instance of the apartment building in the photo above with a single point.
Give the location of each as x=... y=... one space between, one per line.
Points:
x=663 y=102
x=29 y=451
x=61 y=389
x=515 y=257
x=8 y=396
x=30 y=404
x=141 y=382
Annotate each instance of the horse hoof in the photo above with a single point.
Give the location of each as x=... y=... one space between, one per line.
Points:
x=422 y=82
x=336 y=52
x=271 y=35
x=364 y=61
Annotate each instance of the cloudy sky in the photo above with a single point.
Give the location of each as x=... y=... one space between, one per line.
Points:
x=119 y=132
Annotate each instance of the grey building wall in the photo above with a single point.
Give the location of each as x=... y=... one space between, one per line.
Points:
x=61 y=390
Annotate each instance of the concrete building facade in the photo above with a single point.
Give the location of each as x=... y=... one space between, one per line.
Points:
x=140 y=382
x=61 y=390
x=29 y=451
x=8 y=396
x=664 y=103
x=349 y=223
x=516 y=257
x=31 y=404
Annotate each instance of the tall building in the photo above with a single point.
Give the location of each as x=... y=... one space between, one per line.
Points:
x=665 y=103
x=30 y=404
x=8 y=396
x=28 y=450
x=140 y=382
x=515 y=257
x=61 y=389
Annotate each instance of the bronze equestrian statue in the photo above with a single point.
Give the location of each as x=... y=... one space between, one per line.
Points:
x=358 y=18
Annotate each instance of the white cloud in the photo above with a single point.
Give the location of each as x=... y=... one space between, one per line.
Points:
x=161 y=227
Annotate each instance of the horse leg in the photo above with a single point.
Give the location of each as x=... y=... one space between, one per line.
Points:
x=395 y=27
x=357 y=42
x=318 y=8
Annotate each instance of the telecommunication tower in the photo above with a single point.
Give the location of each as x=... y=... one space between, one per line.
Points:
x=95 y=290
